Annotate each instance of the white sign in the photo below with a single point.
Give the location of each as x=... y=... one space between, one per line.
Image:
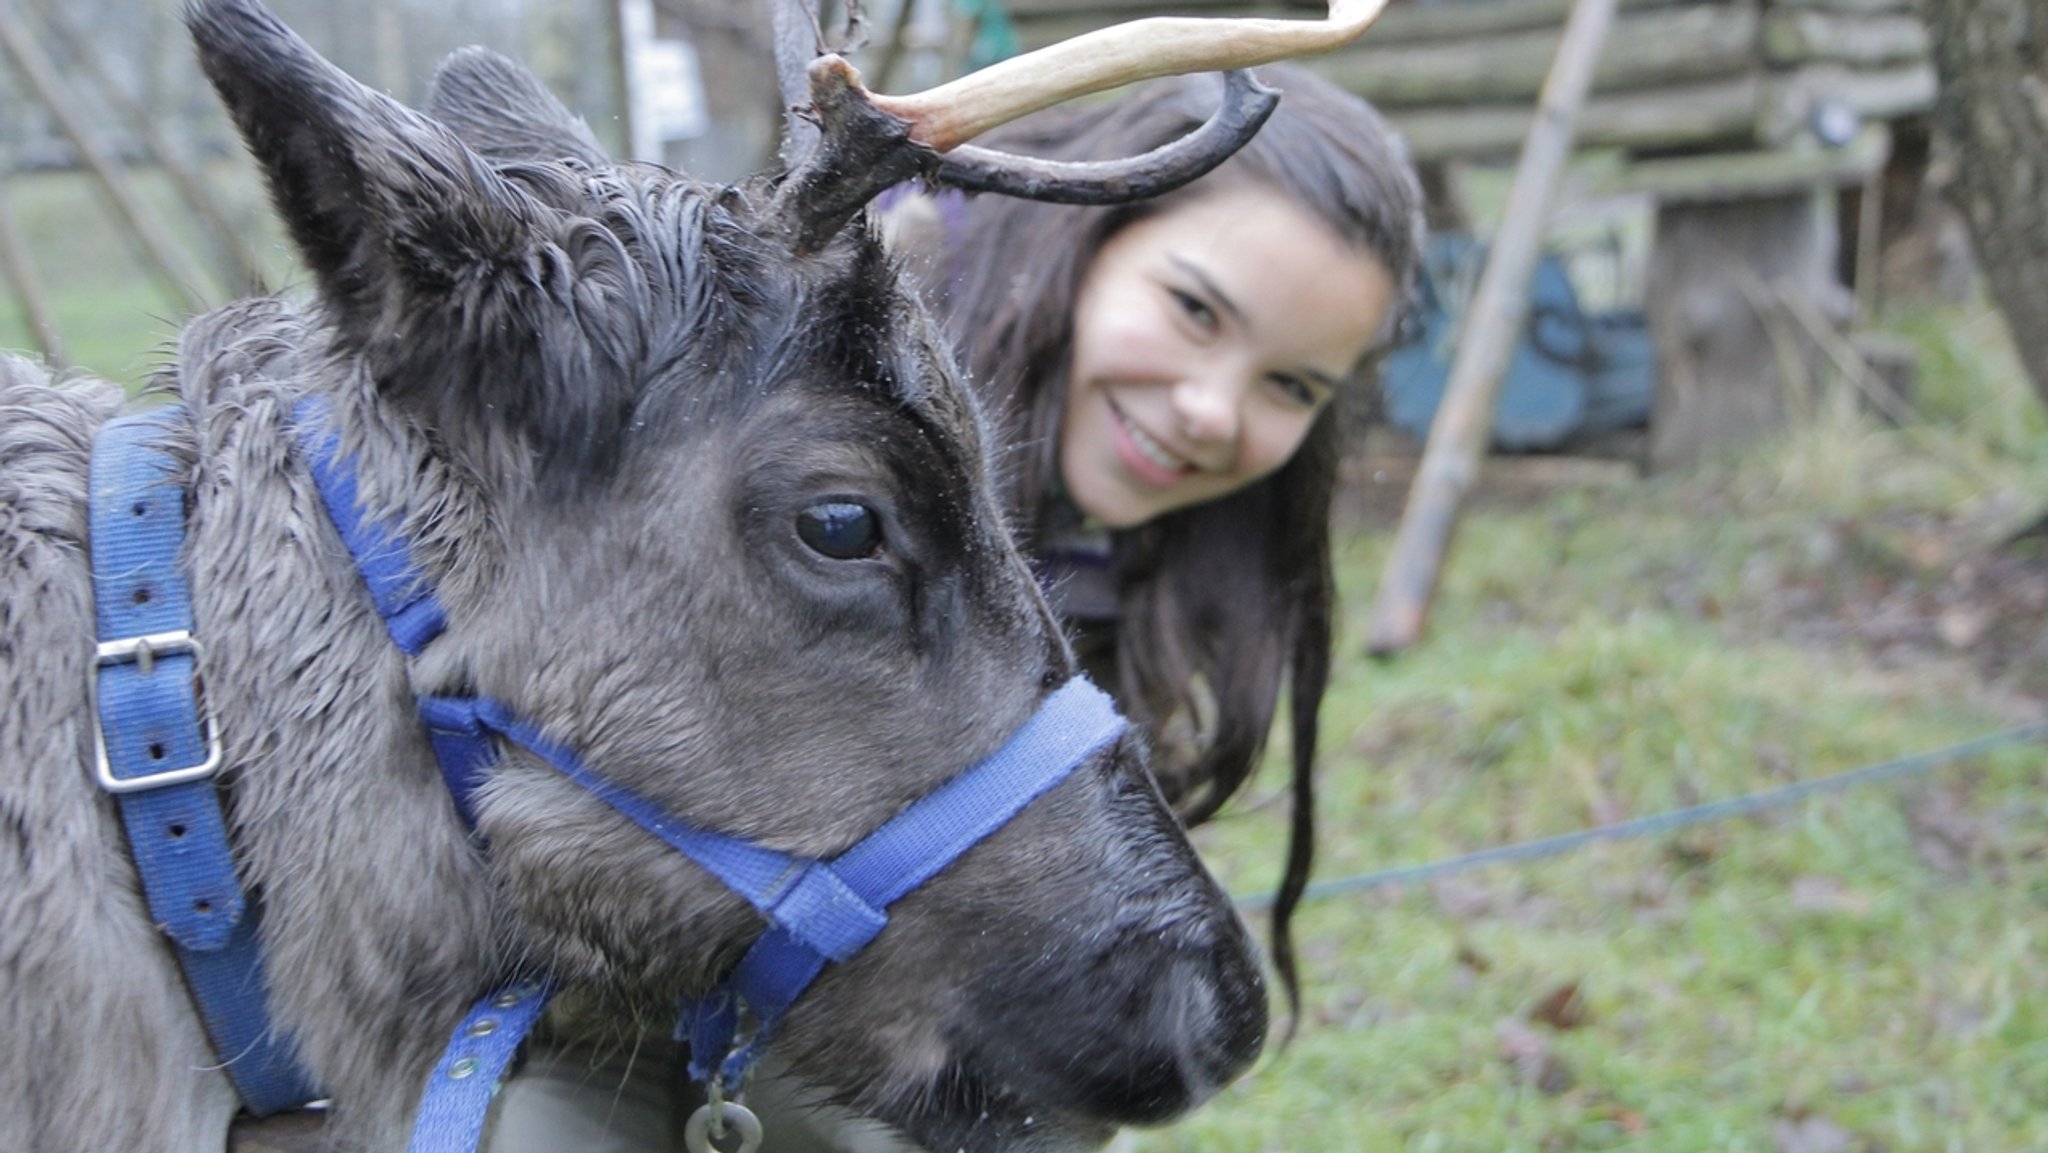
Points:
x=664 y=82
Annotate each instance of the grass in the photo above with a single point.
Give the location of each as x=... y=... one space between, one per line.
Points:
x=1859 y=972
x=115 y=315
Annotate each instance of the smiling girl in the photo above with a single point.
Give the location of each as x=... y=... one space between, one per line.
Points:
x=1168 y=376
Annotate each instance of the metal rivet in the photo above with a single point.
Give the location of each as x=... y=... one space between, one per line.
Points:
x=506 y=1000
x=484 y=1028
x=697 y=1133
x=462 y=1068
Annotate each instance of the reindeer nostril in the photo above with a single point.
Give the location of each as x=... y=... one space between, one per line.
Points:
x=1161 y=1022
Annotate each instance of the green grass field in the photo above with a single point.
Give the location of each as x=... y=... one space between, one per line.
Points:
x=1860 y=972
x=115 y=315
x=1855 y=974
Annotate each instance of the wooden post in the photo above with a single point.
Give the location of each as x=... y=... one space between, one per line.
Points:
x=186 y=280
x=894 y=50
x=235 y=257
x=28 y=288
x=1463 y=428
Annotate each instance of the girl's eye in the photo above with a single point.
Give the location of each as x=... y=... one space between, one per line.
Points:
x=841 y=530
x=1195 y=309
x=1297 y=390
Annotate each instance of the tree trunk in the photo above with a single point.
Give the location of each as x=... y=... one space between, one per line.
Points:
x=1992 y=56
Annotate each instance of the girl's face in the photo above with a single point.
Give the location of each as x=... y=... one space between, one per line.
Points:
x=1206 y=340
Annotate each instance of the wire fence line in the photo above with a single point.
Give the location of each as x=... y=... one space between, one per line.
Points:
x=1669 y=821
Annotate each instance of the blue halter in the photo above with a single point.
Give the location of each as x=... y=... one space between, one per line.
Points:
x=818 y=911
x=158 y=751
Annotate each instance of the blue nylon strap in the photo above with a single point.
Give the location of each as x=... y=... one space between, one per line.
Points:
x=472 y=1069
x=403 y=595
x=1069 y=726
x=711 y=1025
x=817 y=911
x=801 y=894
x=894 y=860
x=148 y=713
x=463 y=746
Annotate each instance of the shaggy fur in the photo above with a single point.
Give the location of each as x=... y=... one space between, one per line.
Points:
x=601 y=401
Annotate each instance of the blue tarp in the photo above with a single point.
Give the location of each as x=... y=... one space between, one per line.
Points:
x=1571 y=373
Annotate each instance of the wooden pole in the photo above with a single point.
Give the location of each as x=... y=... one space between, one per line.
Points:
x=894 y=50
x=186 y=280
x=1463 y=428
x=28 y=288
x=235 y=256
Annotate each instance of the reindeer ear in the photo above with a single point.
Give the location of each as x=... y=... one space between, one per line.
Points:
x=381 y=201
x=441 y=275
x=505 y=114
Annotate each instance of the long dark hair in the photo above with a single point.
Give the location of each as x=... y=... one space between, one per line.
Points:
x=1221 y=603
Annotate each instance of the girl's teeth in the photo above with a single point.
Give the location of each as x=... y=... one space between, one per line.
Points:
x=1152 y=449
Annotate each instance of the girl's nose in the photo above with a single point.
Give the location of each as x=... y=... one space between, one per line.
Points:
x=1208 y=406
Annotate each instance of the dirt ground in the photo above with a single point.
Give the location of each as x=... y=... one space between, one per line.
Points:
x=1910 y=589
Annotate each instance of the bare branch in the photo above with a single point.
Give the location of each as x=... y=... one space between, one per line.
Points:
x=797 y=43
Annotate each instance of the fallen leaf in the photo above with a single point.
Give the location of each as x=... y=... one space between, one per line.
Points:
x=1814 y=893
x=1926 y=550
x=1692 y=850
x=1631 y=1122
x=1963 y=625
x=1530 y=1055
x=1561 y=1008
x=1811 y=1133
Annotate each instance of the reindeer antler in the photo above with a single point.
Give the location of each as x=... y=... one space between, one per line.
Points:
x=870 y=142
x=1246 y=105
x=945 y=117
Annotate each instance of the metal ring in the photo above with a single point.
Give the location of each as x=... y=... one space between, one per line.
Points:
x=697 y=1133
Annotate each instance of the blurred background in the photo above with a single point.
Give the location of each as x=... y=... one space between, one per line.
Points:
x=1764 y=504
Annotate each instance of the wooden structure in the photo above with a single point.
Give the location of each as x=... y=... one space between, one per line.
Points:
x=1744 y=121
x=1460 y=76
x=1463 y=427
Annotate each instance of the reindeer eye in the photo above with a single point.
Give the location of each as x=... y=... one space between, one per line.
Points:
x=841 y=530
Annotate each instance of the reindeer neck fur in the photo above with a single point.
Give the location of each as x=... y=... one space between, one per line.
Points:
x=324 y=749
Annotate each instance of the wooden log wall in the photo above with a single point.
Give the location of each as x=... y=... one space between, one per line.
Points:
x=1738 y=118
x=1460 y=76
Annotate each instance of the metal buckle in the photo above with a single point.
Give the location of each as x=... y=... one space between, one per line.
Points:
x=144 y=650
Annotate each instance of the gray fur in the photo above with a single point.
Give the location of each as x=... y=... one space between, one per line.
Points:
x=597 y=399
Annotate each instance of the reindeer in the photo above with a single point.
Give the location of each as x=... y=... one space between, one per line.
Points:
x=698 y=499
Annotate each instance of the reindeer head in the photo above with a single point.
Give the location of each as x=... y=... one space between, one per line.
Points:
x=735 y=539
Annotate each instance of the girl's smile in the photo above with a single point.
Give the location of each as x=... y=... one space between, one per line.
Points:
x=1144 y=455
x=1207 y=339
